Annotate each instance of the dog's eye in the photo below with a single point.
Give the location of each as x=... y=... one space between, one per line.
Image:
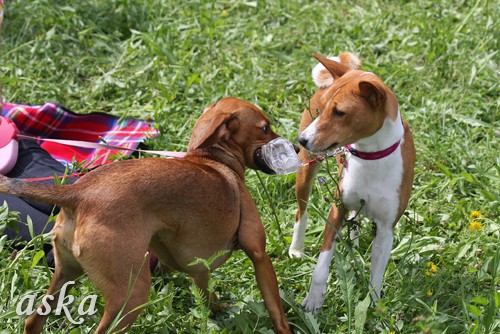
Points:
x=338 y=113
x=266 y=129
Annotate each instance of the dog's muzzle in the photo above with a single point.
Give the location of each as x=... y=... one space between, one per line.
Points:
x=260 y=163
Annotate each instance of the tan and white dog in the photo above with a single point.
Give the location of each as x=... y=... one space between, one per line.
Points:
x=355 y=110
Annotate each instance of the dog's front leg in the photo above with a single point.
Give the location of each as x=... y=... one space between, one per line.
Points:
x=381 y=251
x=315 y=297
x=252 y=239
x=303 y=186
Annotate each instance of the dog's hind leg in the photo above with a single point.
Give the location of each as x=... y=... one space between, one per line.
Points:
x=62 y=275
x=66 y=269
x=381 y=251
x=118 y=264
x=123 y=301
x=304 y=184
x=201 y=279
x=315 y=297
x=124 y=293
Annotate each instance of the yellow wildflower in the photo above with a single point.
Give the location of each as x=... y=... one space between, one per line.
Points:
x=475 y=225
x=475 y=215
x=224 y=13
x=430 y=293
x=432 y=268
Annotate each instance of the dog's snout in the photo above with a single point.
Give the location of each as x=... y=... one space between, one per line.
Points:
x=302 y=140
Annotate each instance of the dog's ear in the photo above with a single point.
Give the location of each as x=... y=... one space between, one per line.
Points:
x=210 y=129
x=378 y=96
x=328 y=70
x=321 y=76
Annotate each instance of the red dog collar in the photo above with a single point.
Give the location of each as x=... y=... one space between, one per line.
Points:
x=373 y=155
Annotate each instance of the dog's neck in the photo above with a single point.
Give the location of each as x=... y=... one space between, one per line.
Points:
x=226 y=157
x=390 y=132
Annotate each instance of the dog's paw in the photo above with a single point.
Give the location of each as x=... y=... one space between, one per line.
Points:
x=313 y=302
x=218 y=307
x=296 y=253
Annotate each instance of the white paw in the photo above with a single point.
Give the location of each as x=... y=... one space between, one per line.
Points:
x=314 y=301
x=296 y=253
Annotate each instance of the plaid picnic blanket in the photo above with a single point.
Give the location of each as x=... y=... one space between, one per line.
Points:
x=54 y=121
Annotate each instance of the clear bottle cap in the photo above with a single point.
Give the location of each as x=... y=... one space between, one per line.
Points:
x=279 y=154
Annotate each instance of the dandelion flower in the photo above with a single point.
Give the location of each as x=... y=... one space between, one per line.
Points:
x=475 y=225
x=224 y=13
x=475 y=215
x=432 y=268
x=430 y=293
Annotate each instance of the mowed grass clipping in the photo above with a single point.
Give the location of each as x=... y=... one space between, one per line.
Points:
x=168 y=60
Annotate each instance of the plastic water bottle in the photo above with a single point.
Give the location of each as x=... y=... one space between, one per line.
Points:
x=279 y=154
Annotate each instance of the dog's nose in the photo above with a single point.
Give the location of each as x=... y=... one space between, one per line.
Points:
x=302 y=140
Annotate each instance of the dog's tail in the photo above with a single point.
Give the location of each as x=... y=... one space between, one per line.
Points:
x=58 y=195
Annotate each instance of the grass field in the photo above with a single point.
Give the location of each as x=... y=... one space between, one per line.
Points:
x=170 y=59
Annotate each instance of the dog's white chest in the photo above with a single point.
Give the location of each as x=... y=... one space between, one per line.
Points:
x=372 y=186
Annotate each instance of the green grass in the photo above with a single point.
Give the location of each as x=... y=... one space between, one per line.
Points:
x=170 y=59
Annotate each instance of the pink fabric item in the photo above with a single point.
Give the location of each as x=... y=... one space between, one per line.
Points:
x=8 y=145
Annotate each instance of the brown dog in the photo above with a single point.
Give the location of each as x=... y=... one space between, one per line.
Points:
x=355 y=110
x=181 y=209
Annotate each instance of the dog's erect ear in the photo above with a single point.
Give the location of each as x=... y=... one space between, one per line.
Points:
x=329 y=70
x=378 y=96
x=210 y=129
x=323 y=77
